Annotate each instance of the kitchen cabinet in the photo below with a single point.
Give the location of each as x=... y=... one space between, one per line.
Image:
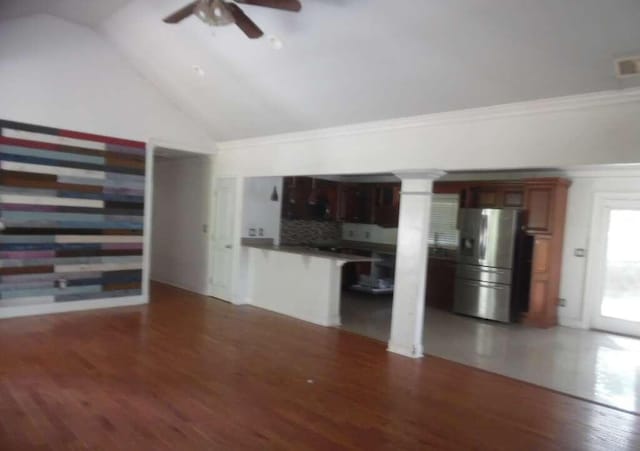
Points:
x=295 y=192
x=367 y=203
x=309 y=199
x=441 y=279
x=545 y=202
x=387 y=204
x=497 y=195
x=356 y=203
x=541 y=308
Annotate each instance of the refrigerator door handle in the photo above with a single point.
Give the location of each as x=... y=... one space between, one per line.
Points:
x=483 y=236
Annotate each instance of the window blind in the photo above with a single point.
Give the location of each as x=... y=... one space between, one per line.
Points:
x=444 y=218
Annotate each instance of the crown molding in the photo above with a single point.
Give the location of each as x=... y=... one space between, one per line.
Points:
x=425 y=174
x=572 y=172
x=192 y=147
x=534 y=107
x=618 y=170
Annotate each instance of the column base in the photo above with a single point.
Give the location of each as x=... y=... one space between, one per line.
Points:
x=414 y=352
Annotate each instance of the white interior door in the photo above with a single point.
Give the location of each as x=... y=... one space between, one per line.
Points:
x=223 y=237
x=615 y=275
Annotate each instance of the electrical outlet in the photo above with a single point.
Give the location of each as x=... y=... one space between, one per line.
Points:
x=252 y=232
x=260 y=231
x=562 y=302
x=579 y=252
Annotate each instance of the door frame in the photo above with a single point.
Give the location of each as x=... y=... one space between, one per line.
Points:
x=236 y=241
x=594 y=282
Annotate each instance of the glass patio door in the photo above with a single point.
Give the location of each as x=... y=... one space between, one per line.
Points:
x=617 y=286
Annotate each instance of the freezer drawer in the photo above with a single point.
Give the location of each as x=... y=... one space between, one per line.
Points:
x=483 y=300
x=484 y=274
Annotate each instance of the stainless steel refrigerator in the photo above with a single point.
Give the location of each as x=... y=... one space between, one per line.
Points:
x=488 y=267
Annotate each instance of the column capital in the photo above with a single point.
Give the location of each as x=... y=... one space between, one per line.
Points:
x=419 y=174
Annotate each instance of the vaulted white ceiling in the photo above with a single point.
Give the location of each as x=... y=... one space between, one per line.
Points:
x=349 y=61
x=83 y=12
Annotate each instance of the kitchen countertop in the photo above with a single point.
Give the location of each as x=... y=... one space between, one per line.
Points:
x=308 y=251
x=312 y=249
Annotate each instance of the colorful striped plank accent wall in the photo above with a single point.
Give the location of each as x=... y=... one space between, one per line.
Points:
x=71 y=215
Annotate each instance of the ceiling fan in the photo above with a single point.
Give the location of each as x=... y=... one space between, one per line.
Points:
x=225 y=12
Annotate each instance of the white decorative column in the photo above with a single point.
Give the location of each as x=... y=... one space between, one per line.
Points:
x=412 y=253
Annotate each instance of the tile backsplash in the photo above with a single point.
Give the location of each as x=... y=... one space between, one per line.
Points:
x=370 y=233
x=296 y=231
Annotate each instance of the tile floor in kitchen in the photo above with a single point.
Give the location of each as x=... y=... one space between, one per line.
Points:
x=596 y=366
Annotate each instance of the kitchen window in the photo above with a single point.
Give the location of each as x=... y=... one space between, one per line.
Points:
x=444 y=218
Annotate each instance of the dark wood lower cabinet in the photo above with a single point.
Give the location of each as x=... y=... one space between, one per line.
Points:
x=441 y=275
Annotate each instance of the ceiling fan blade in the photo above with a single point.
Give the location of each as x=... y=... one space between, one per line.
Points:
x=243 y=22
x=181 y=14
x=287 y=5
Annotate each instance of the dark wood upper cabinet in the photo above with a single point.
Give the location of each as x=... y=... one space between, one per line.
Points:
x=487 y=198
x=497 y=195
x=386 y=204
x=545 y=201
x=539 y=209
x=513 y=198
x=310 y=199
x=369 y=203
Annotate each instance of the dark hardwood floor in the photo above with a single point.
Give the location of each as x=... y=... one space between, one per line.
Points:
x=187 y=372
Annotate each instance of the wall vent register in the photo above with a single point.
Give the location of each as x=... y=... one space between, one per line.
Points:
x=628 y=67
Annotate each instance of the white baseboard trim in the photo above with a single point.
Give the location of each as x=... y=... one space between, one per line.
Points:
x=245 y=301
x=570 y=322
x=70 y=306
x=325 y=322
x=177 y=285
x=414 y=352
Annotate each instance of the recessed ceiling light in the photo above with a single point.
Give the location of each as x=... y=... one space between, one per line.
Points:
x=198 y=70
x=275 y=42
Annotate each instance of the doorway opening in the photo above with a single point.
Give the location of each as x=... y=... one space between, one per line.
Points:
x=180 y=219
x=615 y=286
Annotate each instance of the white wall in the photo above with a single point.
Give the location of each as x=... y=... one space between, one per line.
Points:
x=179 y=242
x=60 y=74
x=577 y=233
x=259 y=211
x=597 y=128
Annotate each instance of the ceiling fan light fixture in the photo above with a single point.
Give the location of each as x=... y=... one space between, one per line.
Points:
x=213 y=12
x=275 y=42
x=198 y=70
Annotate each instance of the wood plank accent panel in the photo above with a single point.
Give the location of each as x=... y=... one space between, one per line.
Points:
x=189 y=373
x=70 y=204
